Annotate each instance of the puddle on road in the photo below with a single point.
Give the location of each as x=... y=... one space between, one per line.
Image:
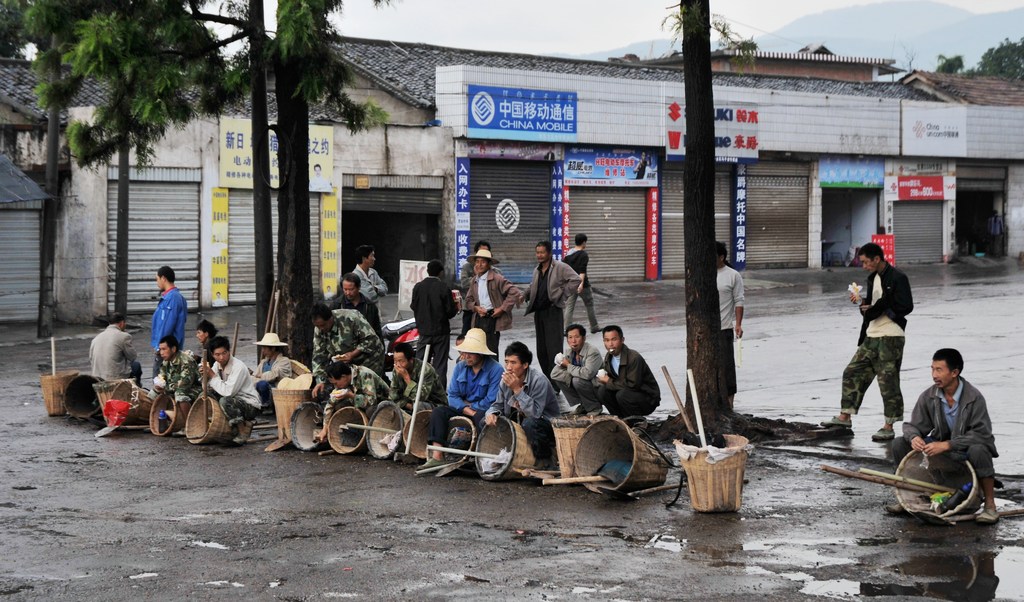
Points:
x=666 y=542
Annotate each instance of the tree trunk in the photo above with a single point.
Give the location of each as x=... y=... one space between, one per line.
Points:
x=293 y=245
x=702 y=312
x=121 y=257
x=262 y=218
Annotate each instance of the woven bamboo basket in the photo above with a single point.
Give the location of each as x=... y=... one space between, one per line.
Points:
x=80 y=398
x=54 y=386
x=717 y=487
x=388 y=416
x=126 y=390
x=941 y=470
x=206 y=423
x=298 y=368
x=505 y=435
x=285 y=403
x=568 y=432
x=418 y=438
x=307 y=421
x=347 y=442
x=175 y=413
x=460 y=422
x=611 y=439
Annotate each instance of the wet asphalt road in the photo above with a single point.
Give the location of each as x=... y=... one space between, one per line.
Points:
x=134 y=515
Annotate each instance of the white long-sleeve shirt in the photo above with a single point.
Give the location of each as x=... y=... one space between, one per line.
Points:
x=233 y=380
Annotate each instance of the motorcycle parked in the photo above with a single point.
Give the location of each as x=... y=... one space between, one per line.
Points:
x=393 y=333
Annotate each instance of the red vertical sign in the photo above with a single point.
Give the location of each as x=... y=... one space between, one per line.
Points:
x=653 y=237
x=567 y=242
x=888 y=244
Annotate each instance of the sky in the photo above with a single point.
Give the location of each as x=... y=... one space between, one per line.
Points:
x=573 y=26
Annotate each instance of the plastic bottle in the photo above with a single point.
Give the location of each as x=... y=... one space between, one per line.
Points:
x=162 y=421
x=956 y=499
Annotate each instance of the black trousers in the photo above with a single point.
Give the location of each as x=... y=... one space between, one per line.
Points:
x=439 y=417
x=626 y=402
x=727 y=358
x=550 y=333
x=440 y=344
x=541 y=436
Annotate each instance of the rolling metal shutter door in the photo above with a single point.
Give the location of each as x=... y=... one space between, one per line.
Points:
x=242 y=245
x=393 y=200
x=917 y=226
x=614 y=221
x=528 y=184
x=163 y=229
x=672 y=204
x=777 y=215
x=19 y=278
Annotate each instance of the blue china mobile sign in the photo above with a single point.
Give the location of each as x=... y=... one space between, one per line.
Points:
x=521 y=114
x=611 y=167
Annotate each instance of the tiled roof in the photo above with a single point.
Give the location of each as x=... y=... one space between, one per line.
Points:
x=974 y=90
x=15 y=186
x=17 y=88
x=407 y=71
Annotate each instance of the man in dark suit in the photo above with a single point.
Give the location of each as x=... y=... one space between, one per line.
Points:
x=433 y=306
x=627 y=386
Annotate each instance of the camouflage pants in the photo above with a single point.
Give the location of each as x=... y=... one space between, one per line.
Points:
x=881 y=358
x=238 y=410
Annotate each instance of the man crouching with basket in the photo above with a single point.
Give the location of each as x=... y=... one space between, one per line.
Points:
x=230 y=380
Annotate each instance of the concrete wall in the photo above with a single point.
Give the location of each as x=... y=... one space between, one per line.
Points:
x=1014 y=219
x=399 y=112
x=842 y=71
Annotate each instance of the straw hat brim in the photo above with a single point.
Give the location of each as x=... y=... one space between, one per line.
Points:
x=263 y=344
x=490 y=259
x=468 y=346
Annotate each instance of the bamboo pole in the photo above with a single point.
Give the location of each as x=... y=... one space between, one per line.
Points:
x=326 y=452
x=679 y=400
x=657 y=489
x=893 y=477
x=696 y=407
x=53 y=356
x=234 y=342
x=461 y=452
x=575 y=480
x=416 y=403
x=365 y=427
x=435 y=468
x=872 y=479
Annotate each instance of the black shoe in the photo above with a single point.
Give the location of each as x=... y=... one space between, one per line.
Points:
x=595 y=330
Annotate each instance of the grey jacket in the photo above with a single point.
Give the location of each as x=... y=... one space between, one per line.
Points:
x=562 y=282
x=281 y=368
x=111 y=354
x=536 y=400
x=592 y=361
x=972 y=427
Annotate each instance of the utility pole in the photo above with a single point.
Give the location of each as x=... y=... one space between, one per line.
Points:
x=48 y=248
x=262 y=218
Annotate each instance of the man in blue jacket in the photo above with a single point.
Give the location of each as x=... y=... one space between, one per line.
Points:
x=170 y=314
x=471 y=391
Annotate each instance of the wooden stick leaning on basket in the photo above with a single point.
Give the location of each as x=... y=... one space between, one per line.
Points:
x=679 y=400
x=415 y=408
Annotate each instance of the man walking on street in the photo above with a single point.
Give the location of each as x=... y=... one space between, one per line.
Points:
x=170 y=314
x=579 y=261
x=373 y=286
x=880 y=347
x=552 y=283
x=730 y=303
x=433 y=307
x=112 y=355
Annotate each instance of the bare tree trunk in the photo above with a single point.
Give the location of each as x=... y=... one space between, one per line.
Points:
x=262 y=221
x=293 y=250
x=48 y=248
x=121 y=258
x=702 y=312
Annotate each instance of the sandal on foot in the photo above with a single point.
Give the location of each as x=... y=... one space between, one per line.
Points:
x=988 y=516
x=884 y=434
x=836 y=422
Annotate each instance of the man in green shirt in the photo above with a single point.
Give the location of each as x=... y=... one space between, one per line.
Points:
x=406 y=379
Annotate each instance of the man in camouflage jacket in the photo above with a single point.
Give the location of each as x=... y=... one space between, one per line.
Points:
x=343 y=335
x=354 y=386
x=407 y=377
x=178 y=372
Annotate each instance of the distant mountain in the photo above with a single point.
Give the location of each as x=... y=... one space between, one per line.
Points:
x=913 y=33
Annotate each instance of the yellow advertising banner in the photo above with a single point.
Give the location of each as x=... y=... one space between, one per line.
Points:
x=237 y=166
x=329 y=236
x=219 y=238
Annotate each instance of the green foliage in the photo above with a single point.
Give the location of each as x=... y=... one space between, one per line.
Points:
x=691 y=20
x=1005 y=60
x=13 y=36
x=949 y=64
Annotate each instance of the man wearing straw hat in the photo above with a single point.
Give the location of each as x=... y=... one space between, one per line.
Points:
x=273 y=366
x=343 y=336
x=491 y=298
x=406 y=379
x=230 y=380
x=112 y=355
x=526 y=393
x=354 y=386
x=179 y=374
x=471 y=391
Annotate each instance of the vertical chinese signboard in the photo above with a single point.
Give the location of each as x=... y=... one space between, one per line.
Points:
x=219 y=238
x=652 y=259
x=739 y=219
x=461 y=211
x=559 y=214
x=888 y=244
x=329 y=234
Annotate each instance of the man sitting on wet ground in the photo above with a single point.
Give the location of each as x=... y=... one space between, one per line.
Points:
x=231 y=381
x=355 y=386
x=406 y=378
x=951 y=418
x=471 y=390
x=526 y=393
x=178 y=376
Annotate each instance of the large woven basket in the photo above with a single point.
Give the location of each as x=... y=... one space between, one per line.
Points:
x=941 y=470
x=612 y=439
x=347 y=442
x=285 y=403
x=126 y=390
x=387 y=416
x=505 y=435
x=460 y=422
x=418 y=438
x=568 y=432
x=207 y=423
x=80 y=398
x=298 y=368
x=307 y=421
x=717 y=487
x=54 y=386
x=175 y=414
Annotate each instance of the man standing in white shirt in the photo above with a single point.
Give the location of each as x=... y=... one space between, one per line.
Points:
x=229 y=378
x=730 y=304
